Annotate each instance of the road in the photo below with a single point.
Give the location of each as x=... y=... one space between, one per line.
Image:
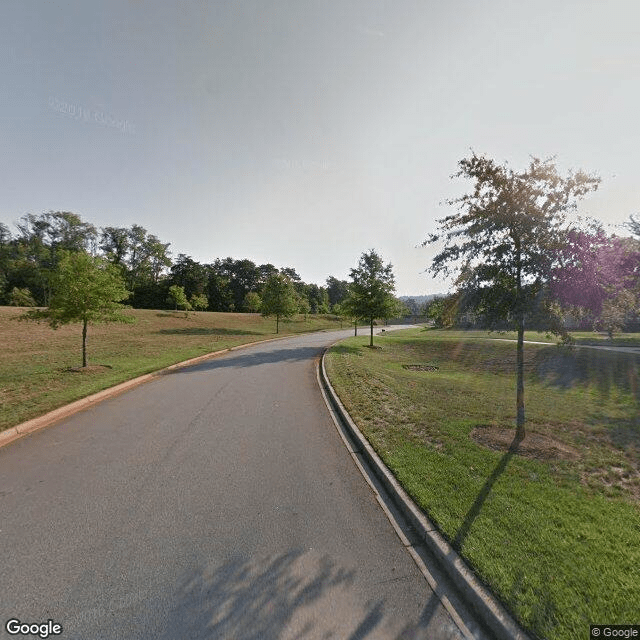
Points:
x=214 y=502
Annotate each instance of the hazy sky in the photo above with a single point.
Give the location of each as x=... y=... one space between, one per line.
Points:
x=303 y=133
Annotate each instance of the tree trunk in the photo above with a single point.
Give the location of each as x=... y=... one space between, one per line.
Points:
x=520 y=433
x=84 y=342
x=371 y=338
x=277 y=323
x=355 y=324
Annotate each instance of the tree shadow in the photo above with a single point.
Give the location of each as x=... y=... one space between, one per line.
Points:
x=543 y=612
x=203 y=331
x=249 y=600
x=481 y=498
x=606 y=371
x=292 y=595
x=253 y=359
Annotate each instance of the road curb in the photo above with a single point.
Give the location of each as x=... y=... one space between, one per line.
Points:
x=35 y=424
x=489 y=610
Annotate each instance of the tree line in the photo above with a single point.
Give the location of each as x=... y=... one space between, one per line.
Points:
x=29 y=260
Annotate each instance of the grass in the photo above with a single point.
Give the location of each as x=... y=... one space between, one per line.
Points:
x=39 y=366
x=593 y=338
x=553 y=529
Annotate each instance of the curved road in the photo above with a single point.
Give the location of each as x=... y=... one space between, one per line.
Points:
x=214 y=502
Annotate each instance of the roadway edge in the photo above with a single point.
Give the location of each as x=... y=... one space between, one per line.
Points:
x=477 y=596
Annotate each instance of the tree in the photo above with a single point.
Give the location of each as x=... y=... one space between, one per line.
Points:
x=599 y=277
x=39 y=247
x=252 y=302
x=633 y=225
x=279 y=298
x=337 y=290
x=114 y=241
x=304 y=307
x=21 y=298
x=371 y=290
x=346 y=309
x=199 y=302
x=85 y=290
x=504 y=243
x=178 y=297
x=189 y=274
x=412 y=307
x=442 y=310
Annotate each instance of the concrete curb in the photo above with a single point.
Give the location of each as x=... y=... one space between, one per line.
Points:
x=14 y=433
x=488 y=609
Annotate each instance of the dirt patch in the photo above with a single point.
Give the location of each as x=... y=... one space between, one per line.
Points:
x=535 y=445
x=421 y=367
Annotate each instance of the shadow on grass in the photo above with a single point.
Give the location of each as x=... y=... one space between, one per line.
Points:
x=607 y=372
x=474 y=512
x=345 y=350
x=292 y=595
x=543 y=613
x=603 y=370
x=203 y=331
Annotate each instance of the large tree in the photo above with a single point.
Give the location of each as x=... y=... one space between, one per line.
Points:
x=504 y=242
x=599 y=278
x=86 y=290
x=279 y=298
x=337 y=290
x=371 y=290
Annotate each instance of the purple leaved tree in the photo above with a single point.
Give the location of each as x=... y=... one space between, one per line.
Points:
x=599 y=278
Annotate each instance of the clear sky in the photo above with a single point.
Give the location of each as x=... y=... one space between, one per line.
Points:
x=303 y=133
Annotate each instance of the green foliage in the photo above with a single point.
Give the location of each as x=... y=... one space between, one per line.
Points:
x=371 y=290
x=304 y=307
x=178 y=298
x=507 y=236
x=504 y=243
x=337 y=290
x=86 y=290
x=252 y=302
x=21 y=298
x=442 y=310
x=279 y=298
x=199 y=302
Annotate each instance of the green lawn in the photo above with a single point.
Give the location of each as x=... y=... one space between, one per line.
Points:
x=38 y=366
x=554 y=529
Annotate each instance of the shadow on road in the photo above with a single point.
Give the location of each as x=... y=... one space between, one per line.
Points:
x=249 y=600
x=253 y=359
x=293 y=595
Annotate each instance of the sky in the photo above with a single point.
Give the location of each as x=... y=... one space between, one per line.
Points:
x=304 y=133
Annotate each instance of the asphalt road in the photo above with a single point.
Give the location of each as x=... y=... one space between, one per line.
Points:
x=214 y=502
